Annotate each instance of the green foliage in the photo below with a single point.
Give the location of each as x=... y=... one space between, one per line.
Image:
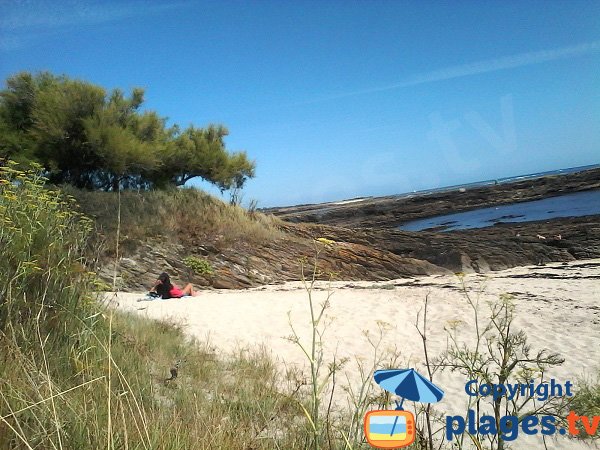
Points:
x=500 y=353
x=43 y=275
x=198 y=152
x=84 y=136
x=200 y=266
x=586 y=402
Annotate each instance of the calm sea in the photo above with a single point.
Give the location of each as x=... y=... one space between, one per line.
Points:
x=577 y=204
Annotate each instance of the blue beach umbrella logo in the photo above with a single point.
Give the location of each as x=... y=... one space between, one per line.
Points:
x=396 y=428
x=408 y=384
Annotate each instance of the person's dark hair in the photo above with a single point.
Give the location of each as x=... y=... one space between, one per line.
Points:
x=164 y=288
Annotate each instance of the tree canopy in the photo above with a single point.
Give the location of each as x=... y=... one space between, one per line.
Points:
x=90 y=138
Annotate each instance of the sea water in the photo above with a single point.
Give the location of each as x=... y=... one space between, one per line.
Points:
x=586 y=203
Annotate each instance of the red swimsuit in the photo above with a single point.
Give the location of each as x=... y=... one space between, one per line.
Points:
x=175 y=292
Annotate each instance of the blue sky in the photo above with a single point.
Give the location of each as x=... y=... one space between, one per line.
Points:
x=339 y=99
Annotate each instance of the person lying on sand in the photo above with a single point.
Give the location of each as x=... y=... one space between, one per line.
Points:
x=166 y=289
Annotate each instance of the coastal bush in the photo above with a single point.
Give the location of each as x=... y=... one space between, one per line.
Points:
x=45 y=282
x=45 y=299
x=199 y=266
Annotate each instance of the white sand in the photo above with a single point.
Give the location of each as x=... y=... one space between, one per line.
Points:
x=561 y=315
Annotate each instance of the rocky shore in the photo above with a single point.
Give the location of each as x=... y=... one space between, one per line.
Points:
x=360 y=241
x=392 y=211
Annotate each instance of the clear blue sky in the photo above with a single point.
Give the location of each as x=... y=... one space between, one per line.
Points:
x=338 y=99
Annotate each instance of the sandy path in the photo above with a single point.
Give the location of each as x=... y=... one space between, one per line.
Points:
x=556 y=305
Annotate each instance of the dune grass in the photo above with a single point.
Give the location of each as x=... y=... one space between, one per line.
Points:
x=119 y=393
x=187 y=216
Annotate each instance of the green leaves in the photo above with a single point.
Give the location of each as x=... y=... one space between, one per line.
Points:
x=201 y=152
x=199 y=266
x=84 y=136
x=41 y=239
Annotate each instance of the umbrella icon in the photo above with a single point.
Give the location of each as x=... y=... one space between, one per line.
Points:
x=408 y=384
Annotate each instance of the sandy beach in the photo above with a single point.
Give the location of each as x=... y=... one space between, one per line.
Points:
x=555 y=304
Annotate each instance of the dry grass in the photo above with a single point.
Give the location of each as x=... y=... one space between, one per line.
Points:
x=186 y=216
x=114 y=394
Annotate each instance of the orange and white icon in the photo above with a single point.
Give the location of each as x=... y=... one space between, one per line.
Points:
x=389 y=428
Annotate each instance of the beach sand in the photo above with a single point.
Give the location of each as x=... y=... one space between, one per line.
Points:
x=557 y=305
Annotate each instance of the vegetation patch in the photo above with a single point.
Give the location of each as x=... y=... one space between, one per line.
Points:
x=325 y=241
x=76 y=374
x=199 y=266
x=175 y=216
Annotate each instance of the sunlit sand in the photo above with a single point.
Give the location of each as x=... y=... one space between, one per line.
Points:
x=556 y=305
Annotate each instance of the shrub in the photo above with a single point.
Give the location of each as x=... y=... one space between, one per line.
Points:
x=199 y=266
x=499 y=353
x=43 y=274
x=586 y=402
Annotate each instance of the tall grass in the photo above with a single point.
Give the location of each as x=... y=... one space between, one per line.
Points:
x=74 y=375
x=45 y=283
x=187 y=216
